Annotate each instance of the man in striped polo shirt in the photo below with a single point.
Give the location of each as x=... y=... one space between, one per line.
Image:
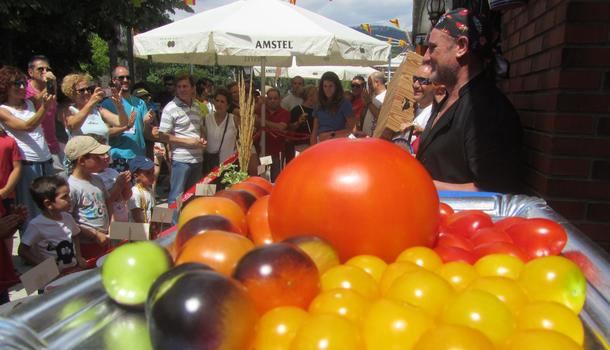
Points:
x=181 y=128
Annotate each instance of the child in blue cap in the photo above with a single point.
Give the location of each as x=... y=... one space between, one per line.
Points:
x=142 y=199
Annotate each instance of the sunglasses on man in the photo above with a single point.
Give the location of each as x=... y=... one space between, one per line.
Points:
x=355 y=85
x=42 y=69
x=123 y=77
x=421 y=80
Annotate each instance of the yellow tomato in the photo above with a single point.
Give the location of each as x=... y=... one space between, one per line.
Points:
x=421 y=256
x=349 y=277
x=481 y=311
x=392 y=325
x=326 y=331
x=372 y=265
x=423 y=289
x=553 y=317
x=499 y=265
x=392 y=272
x=448 y=337
x=343 y=302
x=458 y=273
x=554 y=278
x=278 y=327
x=507 y=290
x=540 y=339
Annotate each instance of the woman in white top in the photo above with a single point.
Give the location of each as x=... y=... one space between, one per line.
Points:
x=21 y=118
x=221 y=129
x=86 y=116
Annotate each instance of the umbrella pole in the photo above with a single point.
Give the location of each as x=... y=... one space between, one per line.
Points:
x=263 y=136
x=390 y=65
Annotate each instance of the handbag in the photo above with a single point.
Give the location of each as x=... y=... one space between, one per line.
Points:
x=212 y=160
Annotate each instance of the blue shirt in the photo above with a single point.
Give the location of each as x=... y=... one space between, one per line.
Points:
x=329 y=121
x=129 y=143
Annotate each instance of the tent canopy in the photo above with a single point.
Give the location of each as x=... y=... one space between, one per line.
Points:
x=242 y=32
x=315 y=72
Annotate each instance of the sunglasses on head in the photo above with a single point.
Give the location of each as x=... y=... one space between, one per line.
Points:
x=123 y=77
x=89 y=89
x=421 y=80
x=20 y=83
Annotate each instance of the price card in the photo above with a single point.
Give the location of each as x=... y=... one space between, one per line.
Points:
x=261 y=169
x=38 y=276
x=205 y=190
x=162 y=214
x=266 y=160
x=131 y=231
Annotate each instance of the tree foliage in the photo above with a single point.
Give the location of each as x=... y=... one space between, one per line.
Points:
x=61 y=29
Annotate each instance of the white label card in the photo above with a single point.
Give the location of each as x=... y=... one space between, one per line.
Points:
x=266 y=160
x=205 y=190
x=162 y=214
x=261 y=169
x=40 y=275
x=131 y=231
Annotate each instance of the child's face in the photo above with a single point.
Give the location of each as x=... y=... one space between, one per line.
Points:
x=145 y=177
x=62 y=200
x=94 y=163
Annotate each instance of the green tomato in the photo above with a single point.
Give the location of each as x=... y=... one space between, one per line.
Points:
x=131 y=269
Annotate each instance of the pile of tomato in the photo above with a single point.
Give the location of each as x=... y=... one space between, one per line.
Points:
x=351 y=249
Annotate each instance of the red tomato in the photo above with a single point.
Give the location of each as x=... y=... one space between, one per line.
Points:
x=260 y=181
x=538 y=237
x=449 y=254
x=508 y=222
x=489 y=235
x=453 y=240
x=446 y=211
x=467 y=222
x=499 y=248
x=364 y=196
x=258 y=222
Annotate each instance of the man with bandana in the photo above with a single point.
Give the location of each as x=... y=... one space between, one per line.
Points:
x=473 y=137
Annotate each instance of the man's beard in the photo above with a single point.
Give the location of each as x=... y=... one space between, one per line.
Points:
x=443 y=75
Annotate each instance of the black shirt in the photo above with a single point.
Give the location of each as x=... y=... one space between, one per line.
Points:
x=478 y=140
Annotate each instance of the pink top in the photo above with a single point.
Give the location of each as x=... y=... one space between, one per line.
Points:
x=48 y=122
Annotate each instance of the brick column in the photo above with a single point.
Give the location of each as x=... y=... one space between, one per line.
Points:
x=560 y=83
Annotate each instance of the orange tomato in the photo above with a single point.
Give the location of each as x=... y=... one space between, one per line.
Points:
x=351 y=193
x=261 y=181
x=242 y=198
x=258 y=222
x=214 y=205
x=252 y=188
x=218 y=249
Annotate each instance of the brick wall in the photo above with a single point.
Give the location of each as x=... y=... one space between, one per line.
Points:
x=560 y=83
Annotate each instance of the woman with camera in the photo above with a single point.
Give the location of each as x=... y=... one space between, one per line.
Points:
x=21 y=120
x=86 y=116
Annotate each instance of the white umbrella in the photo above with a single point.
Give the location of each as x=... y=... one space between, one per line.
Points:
x=252 y=32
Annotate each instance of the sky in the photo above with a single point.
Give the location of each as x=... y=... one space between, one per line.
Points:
x=347 y=12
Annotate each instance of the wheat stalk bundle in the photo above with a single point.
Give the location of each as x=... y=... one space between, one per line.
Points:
x=246 y=124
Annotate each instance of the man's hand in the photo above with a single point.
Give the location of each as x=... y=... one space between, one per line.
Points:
x=82 y=263
x=148 y=118
x=155 y=132
x=198 y=143
x=132 y=119
x=115 y=96
x=47 y=100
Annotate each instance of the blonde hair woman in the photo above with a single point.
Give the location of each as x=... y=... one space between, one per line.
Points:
x=86 y=116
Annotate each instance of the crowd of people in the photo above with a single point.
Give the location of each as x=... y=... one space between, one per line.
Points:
x=62 y=197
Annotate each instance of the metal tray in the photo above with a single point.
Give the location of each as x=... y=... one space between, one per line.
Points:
x=79 y=315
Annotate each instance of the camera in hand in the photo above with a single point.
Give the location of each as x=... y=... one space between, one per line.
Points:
x=51 y=87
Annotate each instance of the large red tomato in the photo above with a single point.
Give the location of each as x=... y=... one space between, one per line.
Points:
x=365 y=196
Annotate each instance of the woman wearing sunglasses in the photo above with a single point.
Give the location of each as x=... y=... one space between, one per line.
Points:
x=86 y=116
x=21 y=119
